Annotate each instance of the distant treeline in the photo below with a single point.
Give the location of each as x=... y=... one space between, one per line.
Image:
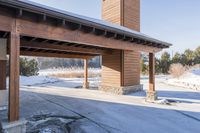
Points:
x=187 y=58
x=45 y=63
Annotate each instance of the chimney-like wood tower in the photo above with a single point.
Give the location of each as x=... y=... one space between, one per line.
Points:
x=121 y=70
x=122 y=12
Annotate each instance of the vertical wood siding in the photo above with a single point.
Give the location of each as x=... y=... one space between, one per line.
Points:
x=111 y=69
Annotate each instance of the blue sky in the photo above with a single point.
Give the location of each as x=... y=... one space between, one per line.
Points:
x=174 y=21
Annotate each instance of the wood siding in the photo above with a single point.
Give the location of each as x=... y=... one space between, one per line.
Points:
x=111 y=69
x=122 y=12
x=125 y=13
x=131 y=68
x=2 y=74
x=131 y=14
x=111 y=11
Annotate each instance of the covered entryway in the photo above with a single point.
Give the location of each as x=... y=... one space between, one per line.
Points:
x=35 y=30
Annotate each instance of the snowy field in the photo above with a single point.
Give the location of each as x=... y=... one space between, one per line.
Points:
x=190 y=79
x=60 y=105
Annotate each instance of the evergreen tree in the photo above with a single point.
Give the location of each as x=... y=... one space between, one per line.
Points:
x=189 y=57
x=176 y=58
x=197 y=56
x=165 y=62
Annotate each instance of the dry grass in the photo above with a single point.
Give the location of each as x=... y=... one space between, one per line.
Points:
x=75 y=73
x=177 y=70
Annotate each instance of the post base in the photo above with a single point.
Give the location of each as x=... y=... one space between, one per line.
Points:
x=121 y=90
x=86 y=85
x=151 y=96
x=13 y=127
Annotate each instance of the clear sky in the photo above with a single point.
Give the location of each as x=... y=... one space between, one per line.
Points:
x=174 y=21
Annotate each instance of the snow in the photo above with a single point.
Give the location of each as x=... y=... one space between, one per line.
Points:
x=196 y=72
x=35 y=80
x=115 y=113
x=190 y=79
x=176 y=111
x=51 y=71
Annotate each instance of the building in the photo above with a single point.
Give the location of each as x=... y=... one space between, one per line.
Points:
x=31 y=29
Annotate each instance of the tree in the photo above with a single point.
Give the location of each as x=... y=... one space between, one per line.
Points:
x=189 y=57
x=197 y=55
x=28 y=67
x=176 y=58
x=165 y=62
x=144 y=66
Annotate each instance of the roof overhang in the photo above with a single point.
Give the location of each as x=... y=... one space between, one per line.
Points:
x=99 y=27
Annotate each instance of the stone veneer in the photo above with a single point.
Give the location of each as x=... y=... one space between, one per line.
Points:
x=151 y=96
x=121 y=90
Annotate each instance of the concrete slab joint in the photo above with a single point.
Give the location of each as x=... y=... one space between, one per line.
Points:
x=151 y=96
x=121 y=90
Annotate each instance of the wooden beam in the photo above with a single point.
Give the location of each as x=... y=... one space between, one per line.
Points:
x=33 y=29
x=151 y=72
x=3 y=74
x=19 y=13
x=86 y=83
x=66 y=48
x=54 y=55
x=87 y=29
x=42 y=18
x=13 y=113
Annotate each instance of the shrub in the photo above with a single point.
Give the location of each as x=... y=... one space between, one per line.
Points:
x=28 y=67
x=176 y=70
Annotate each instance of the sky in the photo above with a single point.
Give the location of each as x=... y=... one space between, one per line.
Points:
x=173 y=21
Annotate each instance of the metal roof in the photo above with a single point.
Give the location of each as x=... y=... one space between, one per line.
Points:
x=68 y=16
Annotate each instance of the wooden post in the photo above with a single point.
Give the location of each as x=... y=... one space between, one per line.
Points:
x=3 y=58
x=151 y=93
x=13 y=113
x=2 y=74
x=86 y=83
x=151 y=72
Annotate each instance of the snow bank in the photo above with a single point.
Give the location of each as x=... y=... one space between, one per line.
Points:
x=35 y=80
x=190 y=80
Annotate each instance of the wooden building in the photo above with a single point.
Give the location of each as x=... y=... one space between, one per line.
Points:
x=32 y=29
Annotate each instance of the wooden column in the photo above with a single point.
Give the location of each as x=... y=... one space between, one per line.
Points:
x=2 y=74
x=86 y=83
x=3 y=58
x=151 y=93
x=13 y=113
x=151 y=72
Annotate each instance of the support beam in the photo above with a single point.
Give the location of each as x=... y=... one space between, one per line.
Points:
x=13 y=112
x=54 y=55
x=2 y=74
x=48 y=46
x=28 y=28
x=86 y=83
x=151 y=93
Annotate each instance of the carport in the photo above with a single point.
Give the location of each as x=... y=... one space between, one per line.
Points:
x=30 y=29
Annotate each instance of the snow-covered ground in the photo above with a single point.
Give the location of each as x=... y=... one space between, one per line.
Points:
x=35 y=80
x=52 y=104
x=190 y=79
x=52 y=71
